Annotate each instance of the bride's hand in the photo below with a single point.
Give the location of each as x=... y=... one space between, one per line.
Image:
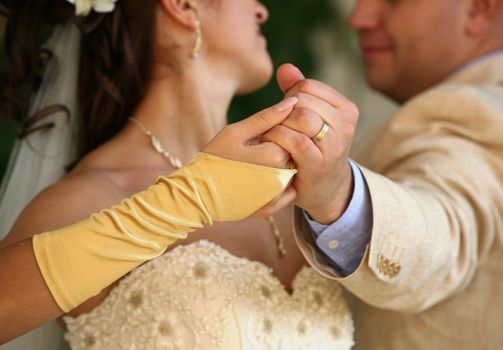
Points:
x=238 y=142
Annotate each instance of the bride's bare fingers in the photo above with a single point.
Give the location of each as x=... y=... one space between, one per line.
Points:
x=269 y=154
x=233 y=142
x=302 y=149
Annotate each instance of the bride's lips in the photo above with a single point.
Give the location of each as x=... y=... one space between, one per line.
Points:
x=261 y=35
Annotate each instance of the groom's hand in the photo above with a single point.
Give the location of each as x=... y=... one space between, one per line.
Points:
x=236 y=142
x=324 y=180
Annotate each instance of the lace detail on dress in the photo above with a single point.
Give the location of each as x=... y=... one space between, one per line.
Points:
x=200 y=296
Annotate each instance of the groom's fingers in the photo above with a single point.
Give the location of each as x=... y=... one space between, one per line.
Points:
x=302 y=149
x=320 y=90
x=287 y=76
x=304 y=120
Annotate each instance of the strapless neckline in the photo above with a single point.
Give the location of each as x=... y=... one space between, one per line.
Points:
x=200 y=296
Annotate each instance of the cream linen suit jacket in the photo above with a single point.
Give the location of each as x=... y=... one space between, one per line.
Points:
x=432 y=276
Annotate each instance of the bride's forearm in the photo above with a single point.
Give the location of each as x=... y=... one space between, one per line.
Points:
x=25 y=299
x=57 y=270
x=78 y=261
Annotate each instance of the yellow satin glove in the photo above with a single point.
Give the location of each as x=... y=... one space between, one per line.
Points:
x=78 y=261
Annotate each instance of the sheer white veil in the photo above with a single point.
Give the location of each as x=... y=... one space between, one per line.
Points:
x=39 y=159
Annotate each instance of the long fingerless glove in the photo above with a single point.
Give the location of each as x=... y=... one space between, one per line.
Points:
x=78 y=261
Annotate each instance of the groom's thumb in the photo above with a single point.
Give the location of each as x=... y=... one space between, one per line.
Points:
x=263 y=121
x=288 y=75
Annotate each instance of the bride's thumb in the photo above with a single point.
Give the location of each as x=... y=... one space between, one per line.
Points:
x=263 y=121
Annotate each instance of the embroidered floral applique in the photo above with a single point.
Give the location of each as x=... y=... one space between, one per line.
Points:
x=199 y=296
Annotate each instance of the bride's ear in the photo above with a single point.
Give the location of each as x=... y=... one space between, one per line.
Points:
x=183 y=12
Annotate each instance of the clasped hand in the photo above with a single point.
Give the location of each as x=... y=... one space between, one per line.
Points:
x=286 y=132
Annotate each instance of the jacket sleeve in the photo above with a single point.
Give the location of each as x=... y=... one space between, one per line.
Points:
x=436 y=199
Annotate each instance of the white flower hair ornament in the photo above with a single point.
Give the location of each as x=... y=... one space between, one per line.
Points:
x=84 y=7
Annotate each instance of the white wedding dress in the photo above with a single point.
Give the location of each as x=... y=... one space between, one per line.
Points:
x=199 y=296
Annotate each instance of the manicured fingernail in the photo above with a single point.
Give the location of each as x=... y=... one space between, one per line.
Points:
x=286 y=104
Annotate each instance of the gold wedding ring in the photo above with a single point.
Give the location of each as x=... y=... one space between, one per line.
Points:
x=323 y=132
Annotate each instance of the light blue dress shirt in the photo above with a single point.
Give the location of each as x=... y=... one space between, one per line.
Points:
x=343 y=242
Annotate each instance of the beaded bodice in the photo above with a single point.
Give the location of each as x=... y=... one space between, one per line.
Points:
x=200 y=296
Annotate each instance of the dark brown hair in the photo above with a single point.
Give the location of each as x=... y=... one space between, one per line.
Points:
x=115 y=61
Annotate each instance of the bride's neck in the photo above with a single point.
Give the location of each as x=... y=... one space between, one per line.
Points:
x=185 y=111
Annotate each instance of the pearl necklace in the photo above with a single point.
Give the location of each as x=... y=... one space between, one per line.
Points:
x=177 y=163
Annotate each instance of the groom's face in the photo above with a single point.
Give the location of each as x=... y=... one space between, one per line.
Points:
x=409 y=45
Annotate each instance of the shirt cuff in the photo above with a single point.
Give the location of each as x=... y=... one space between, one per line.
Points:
x=343 y=242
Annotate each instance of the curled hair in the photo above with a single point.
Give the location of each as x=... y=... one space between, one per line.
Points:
x=115 y=65
x=28 y=26
x=115 y=61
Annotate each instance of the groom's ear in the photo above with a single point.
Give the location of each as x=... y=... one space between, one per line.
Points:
x=184 y=12
x=287 y=76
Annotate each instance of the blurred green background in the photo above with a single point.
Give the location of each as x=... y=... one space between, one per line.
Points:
x=292 y=32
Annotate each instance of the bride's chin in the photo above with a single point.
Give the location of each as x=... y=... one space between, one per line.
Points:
x=257 y=79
